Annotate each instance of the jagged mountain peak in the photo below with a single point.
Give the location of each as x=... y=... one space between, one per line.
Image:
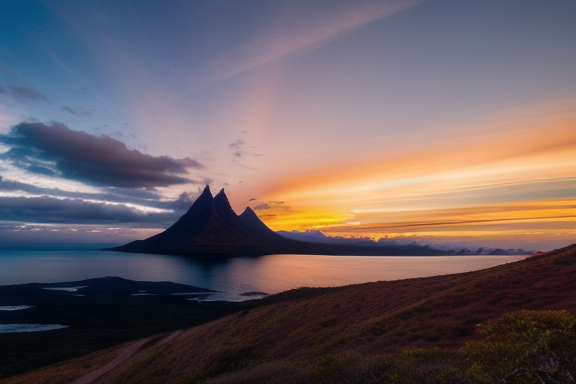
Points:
x=206 y=195
x=211 y=227
x=221 y=195
x=203 y=202
x=248 y=212
x=221 y=202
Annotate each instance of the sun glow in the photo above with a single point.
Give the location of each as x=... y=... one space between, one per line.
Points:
x=507 y=179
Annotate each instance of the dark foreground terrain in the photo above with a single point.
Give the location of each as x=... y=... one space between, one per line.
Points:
x=103 y=313
x=509 y=324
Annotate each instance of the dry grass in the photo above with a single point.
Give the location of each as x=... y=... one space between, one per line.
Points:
x=367 y=321
x=68 y=371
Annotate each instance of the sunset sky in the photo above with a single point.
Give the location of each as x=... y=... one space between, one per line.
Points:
x=434 y=121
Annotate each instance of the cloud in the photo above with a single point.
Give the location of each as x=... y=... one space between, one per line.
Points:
x=267 y=217
x=146 y=197
x=183 y=202
x=86 y=92
x=77 y=111
x=241 y=150
x=442 y=223
x=533 y=218
x=282 y=43
x=238 y=148
x=262 y=207
x=23 y=94
x=99 y=160
x=61 y=236
x=47 y=209
x=25 y=203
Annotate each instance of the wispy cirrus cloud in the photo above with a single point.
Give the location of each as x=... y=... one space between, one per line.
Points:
x=77 y=111
x=100 y=160
x=326 y=28
x=533 y=221
x=238 y=148
x=23 y=94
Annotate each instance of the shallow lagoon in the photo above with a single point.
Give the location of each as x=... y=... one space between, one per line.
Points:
x=14 y=328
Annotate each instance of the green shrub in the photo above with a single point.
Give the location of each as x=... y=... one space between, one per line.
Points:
x=333 y=369
x=426 y=366
x=524 y=347
x=234 y=359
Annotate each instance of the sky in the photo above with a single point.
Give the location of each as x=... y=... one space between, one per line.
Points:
x=441 y=122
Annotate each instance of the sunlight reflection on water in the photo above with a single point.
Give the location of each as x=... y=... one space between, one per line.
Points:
x=270 y=274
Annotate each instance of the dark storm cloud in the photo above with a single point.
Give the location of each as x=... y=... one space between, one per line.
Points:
x=99 y=160
x=23 y=94
x=67 y=211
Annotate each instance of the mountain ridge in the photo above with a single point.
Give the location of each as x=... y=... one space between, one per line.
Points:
x=211 y=228
x=315 y=236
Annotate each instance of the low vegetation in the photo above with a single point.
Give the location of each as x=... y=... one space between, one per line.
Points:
x=510 y=324
x=520 y=348
x=524 y=347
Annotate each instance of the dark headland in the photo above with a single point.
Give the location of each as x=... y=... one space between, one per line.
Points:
x=211 y=228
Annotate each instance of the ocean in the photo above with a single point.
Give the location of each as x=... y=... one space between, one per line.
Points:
x=232 y=277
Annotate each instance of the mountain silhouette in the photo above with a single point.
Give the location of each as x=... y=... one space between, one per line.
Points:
x=212 y=228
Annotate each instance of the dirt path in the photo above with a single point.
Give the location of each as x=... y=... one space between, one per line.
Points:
x=127 y=353
x=170 y=337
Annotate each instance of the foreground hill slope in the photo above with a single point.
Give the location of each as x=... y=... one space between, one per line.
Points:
x=212 y=229
x=368 y=319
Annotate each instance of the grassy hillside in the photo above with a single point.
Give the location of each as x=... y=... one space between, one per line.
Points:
x=319 y=335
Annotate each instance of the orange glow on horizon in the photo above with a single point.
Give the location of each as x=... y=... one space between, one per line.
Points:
x=510 y=174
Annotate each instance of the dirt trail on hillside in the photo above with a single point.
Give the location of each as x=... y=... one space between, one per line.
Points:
x=127 y=353
x=170 y=337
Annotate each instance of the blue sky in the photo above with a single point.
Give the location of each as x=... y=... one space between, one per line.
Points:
x=329 y=114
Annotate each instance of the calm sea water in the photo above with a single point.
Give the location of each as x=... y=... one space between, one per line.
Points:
x=270 y=274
